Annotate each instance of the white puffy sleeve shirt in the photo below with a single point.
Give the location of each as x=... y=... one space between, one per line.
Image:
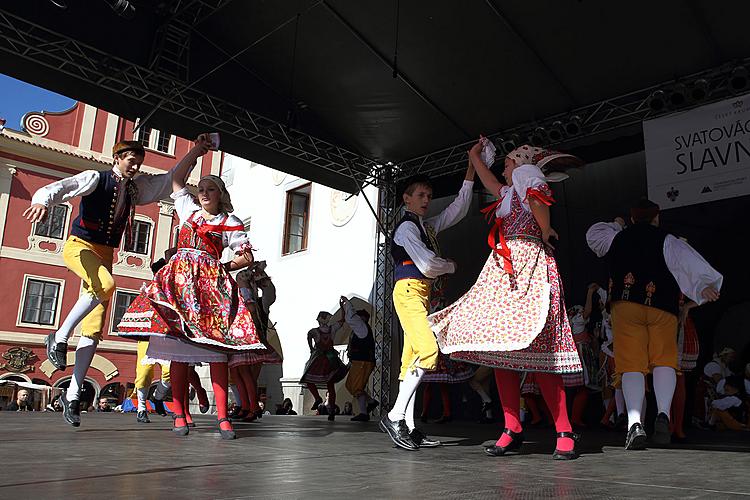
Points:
x=688 y=267
x=408 y=236
x=524 y=178
x=151 y=188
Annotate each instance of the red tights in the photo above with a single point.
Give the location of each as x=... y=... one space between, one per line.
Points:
x=678 y=407
x=247 y=386
x=551 y=385
x=219 y=381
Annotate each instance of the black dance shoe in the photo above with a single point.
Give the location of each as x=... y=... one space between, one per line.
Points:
x=317 y=403
x=514 y=445
x=444 y=419
x=372 y=405
x=71 y=410
x=230 y=434
x=159 y=407
x=661 y=433
x=636 y=438
x=142 y=417
x=57 y=352
x=362 y=417
x=180 y=431
x=423 y=441
x=398 y=432
x=566 y=455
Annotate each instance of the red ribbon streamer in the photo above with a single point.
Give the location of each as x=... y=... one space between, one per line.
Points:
x=496 y=235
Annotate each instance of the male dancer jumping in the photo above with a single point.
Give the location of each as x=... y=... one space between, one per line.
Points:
x=107 y=210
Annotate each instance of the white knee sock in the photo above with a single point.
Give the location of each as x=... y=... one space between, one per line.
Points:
x=619 y=402
x=362 y=400
x=84 y=355
x=665 y=381
x=477 y=386
x=142 y=399
x=85 y=304
x=634 y=391
x=406 y=390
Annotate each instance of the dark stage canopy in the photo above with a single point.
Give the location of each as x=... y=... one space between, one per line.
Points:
x=329 y=90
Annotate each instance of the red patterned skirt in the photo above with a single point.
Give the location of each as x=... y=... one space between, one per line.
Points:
x=515 y=322
x=449 y=371
x=688 y=346
x=193 y=299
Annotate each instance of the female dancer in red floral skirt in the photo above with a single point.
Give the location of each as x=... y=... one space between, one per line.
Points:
x=191 y=309
x=514 y=317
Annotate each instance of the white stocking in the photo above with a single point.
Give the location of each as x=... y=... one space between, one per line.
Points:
x=85 y=304
x=84 y=355
x=634 y=391
x=406 y=390
x=665 y=380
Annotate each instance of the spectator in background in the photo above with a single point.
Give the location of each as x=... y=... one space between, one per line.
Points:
x=54 y=405
x=720 y=367
x=347 y=408
x=727 y=410
x=286 y=408
x=21 y=403
x=103 y=406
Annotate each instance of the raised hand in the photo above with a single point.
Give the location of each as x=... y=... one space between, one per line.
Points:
x=710 y=293
x=36 y=213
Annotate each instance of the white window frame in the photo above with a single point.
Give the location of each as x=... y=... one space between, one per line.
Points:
x=294 y=186
x=153 y=140
x=111 y=329
x=66 y=224
x=149 y=247
x=22 y=300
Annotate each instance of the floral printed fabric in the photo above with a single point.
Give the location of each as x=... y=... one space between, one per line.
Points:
x=517 y=321
x=193 y=298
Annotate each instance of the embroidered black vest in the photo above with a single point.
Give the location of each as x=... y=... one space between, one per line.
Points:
x=100 y=219
x=637 y=269
x=404 y=266
x=362 y=349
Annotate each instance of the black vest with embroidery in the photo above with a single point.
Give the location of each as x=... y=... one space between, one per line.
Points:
x=637 y=269
x=99 y=219
x=400 y=255
x=362 y=349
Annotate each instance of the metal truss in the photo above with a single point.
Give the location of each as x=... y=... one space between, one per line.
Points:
x=611 y=114
x=171 y=50
x=385 y=323
x=62 y=54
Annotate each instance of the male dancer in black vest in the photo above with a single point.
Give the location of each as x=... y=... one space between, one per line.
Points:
x=648 y=268
x=361 y=353
x=106 y=212
x=417 y=264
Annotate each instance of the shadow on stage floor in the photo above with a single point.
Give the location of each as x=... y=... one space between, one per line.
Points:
x=111 y=455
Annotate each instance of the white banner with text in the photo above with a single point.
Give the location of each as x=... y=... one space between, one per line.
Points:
x=699 y=155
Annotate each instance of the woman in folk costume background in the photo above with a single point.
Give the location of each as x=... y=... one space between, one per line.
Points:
x=513 y=318
x=191 y=309
x=258 y=293
x=324 y=367
x=688 y=349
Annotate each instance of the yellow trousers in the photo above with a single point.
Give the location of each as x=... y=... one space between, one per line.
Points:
x=359 y=375
x=93 y=264
x=644 y=337
x=411 y=297
x=144 y=374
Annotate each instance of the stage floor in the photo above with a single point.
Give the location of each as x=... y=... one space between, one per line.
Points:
x=111 y=455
